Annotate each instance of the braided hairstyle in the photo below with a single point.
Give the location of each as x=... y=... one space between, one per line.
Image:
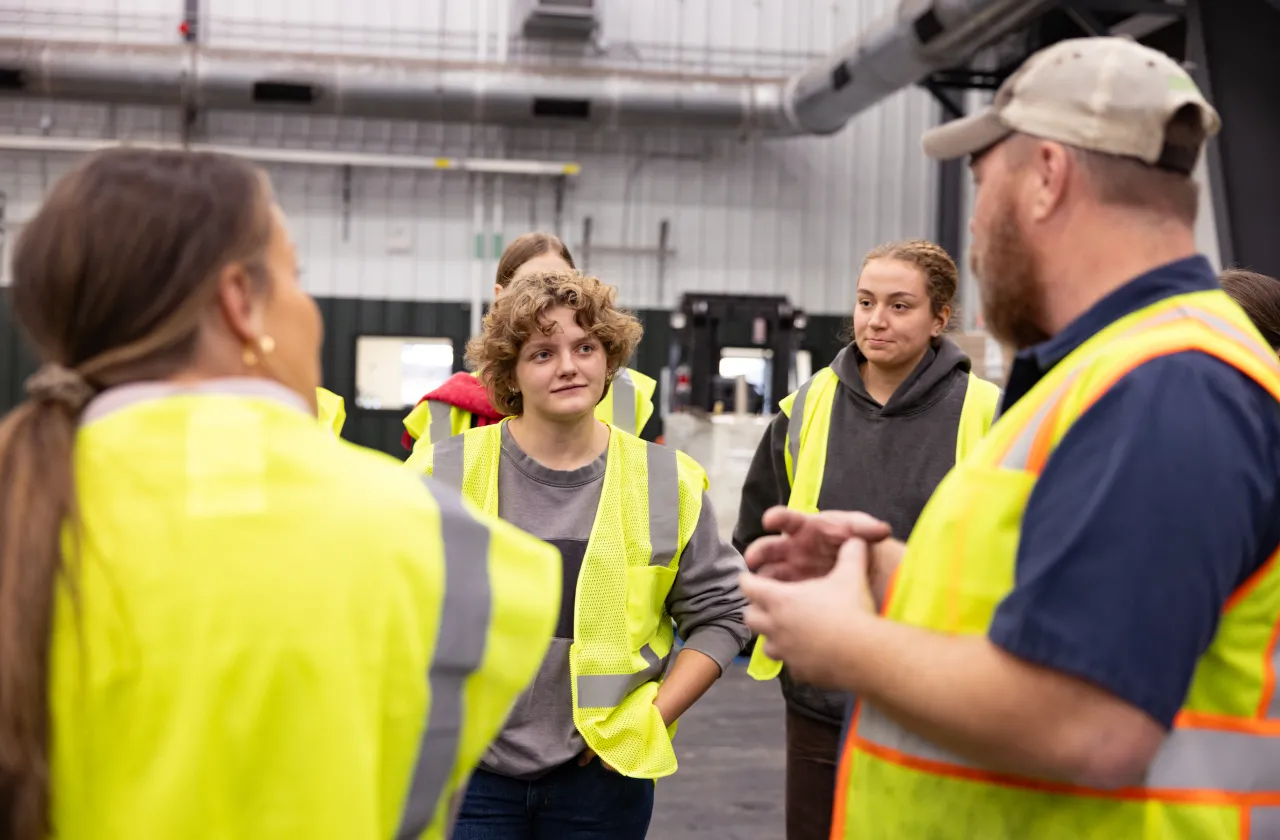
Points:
x=941 y=276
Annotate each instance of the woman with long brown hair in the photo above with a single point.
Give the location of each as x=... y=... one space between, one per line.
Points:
x=217 y=619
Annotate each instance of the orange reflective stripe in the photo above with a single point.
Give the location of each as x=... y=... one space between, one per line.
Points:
x=1260 y=727
x=1018 y=454
x=1193 y=765
x=840 y=809
x=1269 y=704
x=1251 y=582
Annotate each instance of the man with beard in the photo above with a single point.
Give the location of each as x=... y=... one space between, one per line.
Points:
x=1079 y=639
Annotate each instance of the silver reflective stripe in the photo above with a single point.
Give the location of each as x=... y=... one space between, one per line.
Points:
x=624 y=401
x=446 y=461
x=460 y=646
x=1215 y=759
x=1020 y=452
x=1189 y=759
x=664 y=504
x=441 y=427
x=795 y=424
x=1264 y=823
x=604 y=691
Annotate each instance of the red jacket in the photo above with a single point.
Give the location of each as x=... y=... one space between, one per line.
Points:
x=466 y=392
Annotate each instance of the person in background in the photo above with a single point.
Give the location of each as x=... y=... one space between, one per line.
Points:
x=1259 y=297
x=1080 y=639
x=461 y=403
x=876 y=431
x=641 y=552
x=217 y=619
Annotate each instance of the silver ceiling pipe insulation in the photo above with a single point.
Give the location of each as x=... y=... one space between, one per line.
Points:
x=921 y=36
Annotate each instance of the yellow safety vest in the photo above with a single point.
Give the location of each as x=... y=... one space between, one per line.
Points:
x=432 y=421
x=277 y=635
x=1218 y=771
x=331 y=410
x=623 y=634
x=807 y=448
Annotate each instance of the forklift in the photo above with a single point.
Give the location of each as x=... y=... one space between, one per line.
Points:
x=719 y=340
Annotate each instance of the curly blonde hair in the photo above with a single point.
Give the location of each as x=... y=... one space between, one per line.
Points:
x=520 y=312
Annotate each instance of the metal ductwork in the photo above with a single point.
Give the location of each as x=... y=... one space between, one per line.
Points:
x=898 y=50
x=922 y=36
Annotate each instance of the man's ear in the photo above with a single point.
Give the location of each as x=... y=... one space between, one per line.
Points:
x=1052 y=166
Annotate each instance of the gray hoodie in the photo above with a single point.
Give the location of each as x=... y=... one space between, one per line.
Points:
x=884 y=460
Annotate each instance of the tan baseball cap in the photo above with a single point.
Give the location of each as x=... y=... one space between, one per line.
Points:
x=1105 y=94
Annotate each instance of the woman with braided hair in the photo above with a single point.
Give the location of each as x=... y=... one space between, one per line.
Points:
x=876 y=431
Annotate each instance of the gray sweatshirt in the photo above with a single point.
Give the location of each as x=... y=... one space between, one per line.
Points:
x=885 y=460
x=559 y=507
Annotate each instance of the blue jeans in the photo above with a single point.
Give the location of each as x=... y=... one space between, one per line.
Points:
x=569 y=803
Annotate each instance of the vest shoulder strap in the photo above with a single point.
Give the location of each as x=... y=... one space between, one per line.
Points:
x=469 y=463
x=813 y=398
x=1217 y=328
x=670 y=473
x=981 y=402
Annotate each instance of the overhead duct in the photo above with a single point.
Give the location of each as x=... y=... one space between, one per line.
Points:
x=899 y=50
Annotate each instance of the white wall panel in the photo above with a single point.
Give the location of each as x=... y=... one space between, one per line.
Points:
x=784 y=216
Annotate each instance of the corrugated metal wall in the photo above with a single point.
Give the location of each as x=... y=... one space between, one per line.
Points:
x=397 y=253
x=789 y=216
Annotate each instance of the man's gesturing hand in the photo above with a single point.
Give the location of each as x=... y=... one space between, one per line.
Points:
x=808 y=624
x=808 y=543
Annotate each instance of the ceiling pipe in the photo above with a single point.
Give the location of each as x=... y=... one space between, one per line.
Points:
x=900 y=49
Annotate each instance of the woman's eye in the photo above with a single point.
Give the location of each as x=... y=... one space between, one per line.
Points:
x=587 y=348
x=901 y=307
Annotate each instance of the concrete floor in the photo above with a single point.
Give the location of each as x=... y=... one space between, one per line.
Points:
x=731 y=749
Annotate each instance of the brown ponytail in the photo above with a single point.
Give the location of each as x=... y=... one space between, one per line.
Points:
x=111 y=280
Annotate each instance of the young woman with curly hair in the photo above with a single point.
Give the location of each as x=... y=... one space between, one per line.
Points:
x=461 y=402
x=641 y=553
x=876 y=431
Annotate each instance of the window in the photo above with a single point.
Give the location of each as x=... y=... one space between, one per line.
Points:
x=393 y=372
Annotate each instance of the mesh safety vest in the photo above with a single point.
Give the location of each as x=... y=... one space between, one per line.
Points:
x=806 y=454
x=623 y=634
x=1217 y=774
x=432 y=421
x=276 y=635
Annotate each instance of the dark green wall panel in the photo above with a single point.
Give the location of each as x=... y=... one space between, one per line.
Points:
x=16 y=361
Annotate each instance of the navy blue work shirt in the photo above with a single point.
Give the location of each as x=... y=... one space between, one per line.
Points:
x=1156 y=505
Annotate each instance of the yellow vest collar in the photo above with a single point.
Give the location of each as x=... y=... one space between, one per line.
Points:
x=124 y=396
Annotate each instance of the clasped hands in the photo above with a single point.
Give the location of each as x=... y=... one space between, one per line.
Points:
x=809 y=586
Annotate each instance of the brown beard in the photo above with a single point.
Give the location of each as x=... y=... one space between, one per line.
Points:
x=1008 y=281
